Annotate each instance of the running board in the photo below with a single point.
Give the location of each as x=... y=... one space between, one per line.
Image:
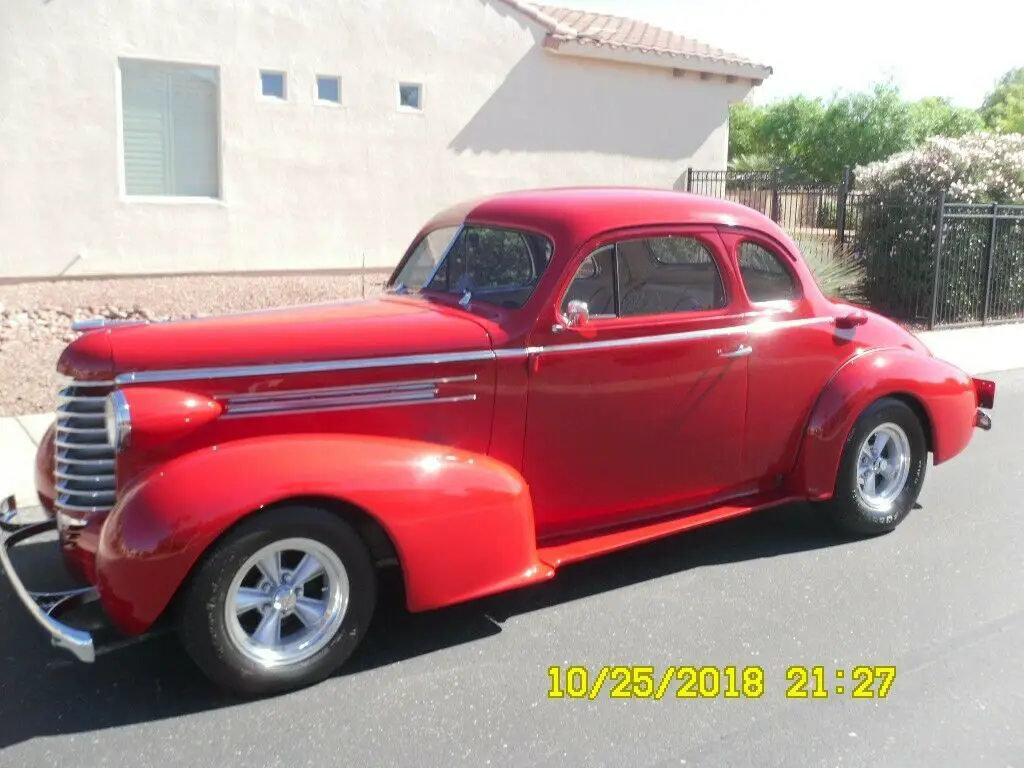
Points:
x=603 y=543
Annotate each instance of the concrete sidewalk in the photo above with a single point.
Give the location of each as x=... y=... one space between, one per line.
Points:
x=19 y=438
x=975 y=350
x=979 y=350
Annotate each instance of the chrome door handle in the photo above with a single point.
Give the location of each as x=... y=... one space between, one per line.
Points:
x=741 y=351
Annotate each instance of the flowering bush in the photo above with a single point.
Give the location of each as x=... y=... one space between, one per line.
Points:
x=977 y=168
x=897 y=224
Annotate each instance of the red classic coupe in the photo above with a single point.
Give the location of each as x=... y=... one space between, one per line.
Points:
x=550 y=375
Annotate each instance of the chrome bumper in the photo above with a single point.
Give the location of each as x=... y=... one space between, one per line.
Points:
x=44 y=607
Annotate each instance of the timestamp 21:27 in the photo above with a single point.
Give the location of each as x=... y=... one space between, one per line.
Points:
x=810 y=682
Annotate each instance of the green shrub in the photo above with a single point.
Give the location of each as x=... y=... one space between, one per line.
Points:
x=897 y=226
x=827 y=215
x=753 y=163
x=836 y=269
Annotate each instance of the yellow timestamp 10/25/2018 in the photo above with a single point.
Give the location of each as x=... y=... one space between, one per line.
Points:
x=708 y=682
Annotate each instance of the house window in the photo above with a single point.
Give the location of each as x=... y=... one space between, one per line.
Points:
x=410 y=97
x=170 y=129
x=765 y=278
x=328 y=89
x=273 y=85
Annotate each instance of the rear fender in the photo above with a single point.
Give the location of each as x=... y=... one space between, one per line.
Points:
x=461 y=523
x=941 y=393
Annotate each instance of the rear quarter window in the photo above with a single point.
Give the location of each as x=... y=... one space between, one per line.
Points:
x=765 y=276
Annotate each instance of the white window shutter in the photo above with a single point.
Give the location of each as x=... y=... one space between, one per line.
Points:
x=147 y=127
x=171 y=129
x=194 y=128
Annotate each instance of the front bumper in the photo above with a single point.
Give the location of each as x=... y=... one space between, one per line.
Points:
x=44 y=607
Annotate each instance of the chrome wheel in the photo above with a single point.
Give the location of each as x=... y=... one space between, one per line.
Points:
x=883 y=466
x=286 y=602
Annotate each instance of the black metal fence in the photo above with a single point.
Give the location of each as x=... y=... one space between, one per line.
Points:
x=940 y=263
x=794 y=203
x=979 y=271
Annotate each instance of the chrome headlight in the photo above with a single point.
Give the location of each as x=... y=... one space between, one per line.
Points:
x=118 y=420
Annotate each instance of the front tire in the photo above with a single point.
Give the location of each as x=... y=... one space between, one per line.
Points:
x=881 y=472
x=280 y=603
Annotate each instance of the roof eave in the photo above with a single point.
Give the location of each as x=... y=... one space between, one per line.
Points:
x=655 y=58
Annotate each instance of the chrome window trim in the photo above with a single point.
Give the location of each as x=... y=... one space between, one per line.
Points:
x=441 y=358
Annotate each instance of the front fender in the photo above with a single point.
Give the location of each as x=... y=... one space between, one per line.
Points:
x=461 y=523
x=944 y=393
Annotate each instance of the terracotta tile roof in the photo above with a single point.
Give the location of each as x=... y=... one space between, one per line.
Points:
x=603 y=30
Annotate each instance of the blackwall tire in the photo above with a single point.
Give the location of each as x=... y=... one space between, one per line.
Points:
x=256 y=631
x=876 y=489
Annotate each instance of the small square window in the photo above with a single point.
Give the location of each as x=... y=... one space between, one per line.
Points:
x=328 y=88
x=410 y=96
x=273 y=85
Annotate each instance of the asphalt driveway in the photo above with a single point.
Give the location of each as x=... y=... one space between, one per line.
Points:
x=941 y=599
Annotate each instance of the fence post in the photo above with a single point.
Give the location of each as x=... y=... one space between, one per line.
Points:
x=689 y=178
x=844 y=191
x=989 y=256
x=940 y=223
x=776 y=202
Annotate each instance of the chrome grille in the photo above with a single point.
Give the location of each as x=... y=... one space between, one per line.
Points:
x=83 y=460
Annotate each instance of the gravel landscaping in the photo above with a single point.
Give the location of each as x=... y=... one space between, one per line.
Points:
x=35 y=318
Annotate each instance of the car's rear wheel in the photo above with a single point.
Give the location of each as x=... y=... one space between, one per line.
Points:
x=881 y=471
x=280 y=602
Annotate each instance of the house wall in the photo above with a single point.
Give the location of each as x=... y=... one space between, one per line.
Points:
x=304 y=185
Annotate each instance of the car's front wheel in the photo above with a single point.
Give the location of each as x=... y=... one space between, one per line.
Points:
x=881 y=471
x=280 y=603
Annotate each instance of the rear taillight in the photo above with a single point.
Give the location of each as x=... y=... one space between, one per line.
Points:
x=985 y=392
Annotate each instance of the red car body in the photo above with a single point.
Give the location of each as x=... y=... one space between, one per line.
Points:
x=482 y=447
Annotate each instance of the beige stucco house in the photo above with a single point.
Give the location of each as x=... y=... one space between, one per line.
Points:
x=162 y=136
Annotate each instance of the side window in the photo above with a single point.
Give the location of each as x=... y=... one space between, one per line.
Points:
x=594 y=283
x=765 y=278
x=679 y=250
x=662 y=275
x=495 y=266
x=485 y=258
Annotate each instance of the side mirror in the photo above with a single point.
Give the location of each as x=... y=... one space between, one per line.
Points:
x=577 y=314
x=851 y=320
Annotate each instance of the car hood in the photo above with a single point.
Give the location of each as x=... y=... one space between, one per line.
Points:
x=383 y=327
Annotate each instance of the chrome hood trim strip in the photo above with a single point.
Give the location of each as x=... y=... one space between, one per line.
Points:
x=343 y=398
x=285 y=369
x=442 y=358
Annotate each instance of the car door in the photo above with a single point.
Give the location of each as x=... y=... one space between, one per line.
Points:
x=640 y=410
x=791 y=360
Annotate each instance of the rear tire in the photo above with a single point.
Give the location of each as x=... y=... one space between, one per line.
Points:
x=280 y=602
x=881 y=472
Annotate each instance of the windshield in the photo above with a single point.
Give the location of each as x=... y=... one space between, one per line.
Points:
x=496 y=266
